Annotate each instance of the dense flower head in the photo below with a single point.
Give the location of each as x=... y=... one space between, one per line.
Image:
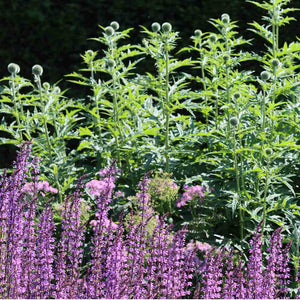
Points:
x=109 y=30
x=166 y=27
x=42 y=186
x=13 y=68
x=115 y=25
x=191 y=193
x=265 y=75
x=155 y=27
x=198 y=33
x=37 y=70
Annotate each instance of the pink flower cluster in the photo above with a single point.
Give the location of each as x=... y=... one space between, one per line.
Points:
x=191 y=193
x=43 y=186
x=202 y=247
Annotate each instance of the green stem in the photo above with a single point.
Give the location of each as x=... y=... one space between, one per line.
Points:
x=13 y=93
x=265 y=199
x=116 y=118
x=227 y=98
x=237 y=177
x=203 y=81
x=167 y=113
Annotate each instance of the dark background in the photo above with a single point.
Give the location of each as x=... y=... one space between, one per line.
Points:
x=54 y=33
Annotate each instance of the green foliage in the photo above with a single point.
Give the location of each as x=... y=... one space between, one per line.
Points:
x=199 y=113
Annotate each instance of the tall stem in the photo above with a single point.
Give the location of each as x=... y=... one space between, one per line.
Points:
x=167 y=112
x=237 y=177
x=265 y=199
x=116 y=118
x=13 y=94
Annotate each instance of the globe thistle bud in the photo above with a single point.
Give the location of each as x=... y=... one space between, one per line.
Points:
x=56 y=90
x=13 y=68
x=109 y=31
x=269 y=151
x=213 y=38
x=155 y=27
x=275 y=63
x=236 y=95
x=46 y=86
x=37 y=70
x=89 y=52
x=166 y=27
x=226 y=57
x=225 y=18
x=234 y=121
x=115 y=25
x=110 y=63
x=198 y=33
x=264 y=75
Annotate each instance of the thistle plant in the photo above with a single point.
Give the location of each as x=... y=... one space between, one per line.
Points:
x=168 y=87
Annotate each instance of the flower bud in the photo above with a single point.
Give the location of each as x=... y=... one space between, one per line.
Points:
x=275 y=63
x=236 y=95
x=155 y=27
x=46 y=86
x=166 y=27
x=198 y=33
x=109 y=31
x=110 y=63
x=264 y=75
x=37 y=70
x=269 y=151
x=234 y=121
x=89 y=52
x=213 y=38
x=226 y=57
x=225 y=18
x=56 y=90
x=13 y=68
x=115 y=25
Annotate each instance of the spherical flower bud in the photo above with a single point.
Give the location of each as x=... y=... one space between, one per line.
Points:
x=198 y=33
x=110 y=63
x=213 y=38
x=226 y=57
x=225 y=18
x=115 y=25
x=56 y=90
x=166 y=27
x=269 y=151
x=234 y=121
x=275 y=63
x=37 y=70
x=46 y=86
x=265 y=75
x=89 y=52
x=109 y=31
x=155 y=27
x=13 y=68
x=236 y=95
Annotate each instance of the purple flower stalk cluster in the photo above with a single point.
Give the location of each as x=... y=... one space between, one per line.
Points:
x=124 y=263
x=222 y=278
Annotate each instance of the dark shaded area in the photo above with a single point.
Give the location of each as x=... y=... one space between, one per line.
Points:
x=54 y=33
